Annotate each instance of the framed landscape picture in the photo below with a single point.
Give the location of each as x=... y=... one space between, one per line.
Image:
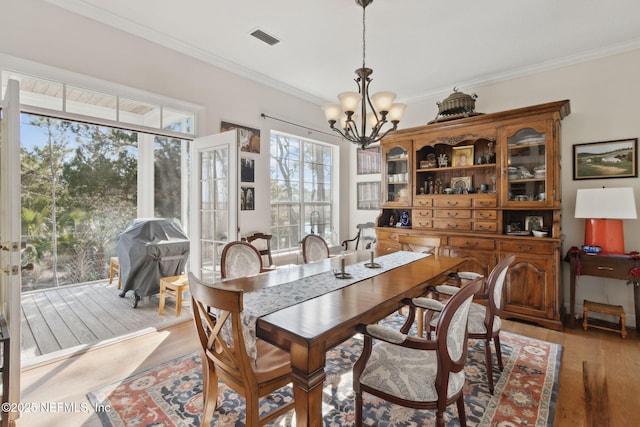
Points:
x=607 y=159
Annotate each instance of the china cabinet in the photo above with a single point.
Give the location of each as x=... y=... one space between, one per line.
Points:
x=484 y=184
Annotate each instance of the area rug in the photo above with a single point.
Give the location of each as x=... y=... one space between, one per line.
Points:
x=170 y=395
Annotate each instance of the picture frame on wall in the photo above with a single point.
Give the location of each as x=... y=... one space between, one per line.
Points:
x=368 y=195
x=247 y=198
x=369 y=161
x=249 y=137
x=606 y=159
x=247 y=169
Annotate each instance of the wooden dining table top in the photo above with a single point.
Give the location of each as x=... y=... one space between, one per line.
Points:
x=310 y=328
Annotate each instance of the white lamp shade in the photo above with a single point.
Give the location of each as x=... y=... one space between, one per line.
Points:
x=332 y=112
x=396 y=112
x=349 y=100
x=605 y=203
x=383 y=100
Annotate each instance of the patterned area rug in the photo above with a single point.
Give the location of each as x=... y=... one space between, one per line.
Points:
x=171 y=394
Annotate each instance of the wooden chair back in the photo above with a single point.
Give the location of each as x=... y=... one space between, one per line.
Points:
x=240 y=259
x=426 y=244
x=217 y=318
x=262 y=242
x=314 y=248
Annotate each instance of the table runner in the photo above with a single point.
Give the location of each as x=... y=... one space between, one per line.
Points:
x=268 y=300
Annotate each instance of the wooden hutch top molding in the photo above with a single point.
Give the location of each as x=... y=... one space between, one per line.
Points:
x=561 y=107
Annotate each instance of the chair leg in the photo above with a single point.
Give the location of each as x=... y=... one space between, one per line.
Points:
x=252 y=410
x=462 y=416
x=496 y=343
x=489 y=363
x=358 y=404
x=209 y=392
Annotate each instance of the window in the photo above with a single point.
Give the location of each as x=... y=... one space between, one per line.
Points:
x=80 y=189
x=302 y=190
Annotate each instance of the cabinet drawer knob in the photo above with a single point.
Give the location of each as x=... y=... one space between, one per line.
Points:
x=452 y=225
x=450 y=203
x=452 y=214
x=485 y=203
x=605 y=268
x=523 y=249
x=471 y=244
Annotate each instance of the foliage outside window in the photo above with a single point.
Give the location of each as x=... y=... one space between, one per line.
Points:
x=302 y=188
x=79 y=190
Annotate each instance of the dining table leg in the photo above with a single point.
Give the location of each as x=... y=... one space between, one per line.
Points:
x=308 y=363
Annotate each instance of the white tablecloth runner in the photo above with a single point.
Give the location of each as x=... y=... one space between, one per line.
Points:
x=268 y=300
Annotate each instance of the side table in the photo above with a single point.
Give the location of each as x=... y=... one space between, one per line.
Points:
x=609 y=266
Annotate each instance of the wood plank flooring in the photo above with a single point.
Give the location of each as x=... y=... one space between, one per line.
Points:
x=68 y=380
x=60 y=321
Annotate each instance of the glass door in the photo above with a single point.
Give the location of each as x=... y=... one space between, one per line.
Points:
x=10 y=262
x=214 y=192
x=527 y=155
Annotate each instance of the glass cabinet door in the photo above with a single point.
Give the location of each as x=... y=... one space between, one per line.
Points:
x=527 y=162
x=397 y=174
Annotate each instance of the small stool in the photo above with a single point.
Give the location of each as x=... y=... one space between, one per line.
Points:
x=613 y=310
x=173 y=286
x=114 y=268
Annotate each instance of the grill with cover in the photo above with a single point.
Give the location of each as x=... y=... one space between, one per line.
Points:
x=149 y=249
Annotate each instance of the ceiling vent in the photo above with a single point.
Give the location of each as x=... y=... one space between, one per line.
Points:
x=261 y=35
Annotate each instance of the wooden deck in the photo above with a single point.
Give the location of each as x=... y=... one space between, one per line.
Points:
x=61 y=321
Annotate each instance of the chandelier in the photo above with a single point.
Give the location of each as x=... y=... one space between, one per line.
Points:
x=383 y=110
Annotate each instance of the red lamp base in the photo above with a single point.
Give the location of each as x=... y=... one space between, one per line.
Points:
x=606 y=233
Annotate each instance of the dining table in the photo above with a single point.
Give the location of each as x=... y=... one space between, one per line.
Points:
x=309 y=328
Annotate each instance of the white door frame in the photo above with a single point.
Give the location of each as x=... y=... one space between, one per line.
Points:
x=10 y=231
x=199 y=237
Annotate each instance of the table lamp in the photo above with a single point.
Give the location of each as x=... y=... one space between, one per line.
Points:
x=603 y=210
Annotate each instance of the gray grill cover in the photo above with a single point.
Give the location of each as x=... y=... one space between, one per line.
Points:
x=149 y=249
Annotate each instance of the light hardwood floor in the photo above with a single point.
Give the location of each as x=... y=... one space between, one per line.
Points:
x=613 y=359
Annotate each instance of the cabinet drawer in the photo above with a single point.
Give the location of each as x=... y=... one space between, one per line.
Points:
x=452 y=224
x=387 y=245
x=453 y=213
x=485 y=202
x=485 y=214
x=421 y=214
x=423 y=201
x=527 y=247
x=452 y=202
x=423 y=223
x=386 y=235
x=487 y=226
x=471 y=242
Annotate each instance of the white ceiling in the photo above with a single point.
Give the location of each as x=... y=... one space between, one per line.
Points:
x=417 y=48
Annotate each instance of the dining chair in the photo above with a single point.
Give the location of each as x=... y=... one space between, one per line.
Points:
x=262 y=242
x=366 y=234
x=415 y=372
x=484 y=316
x=240 y=259
x=225 y=357
x=424 y=244
x=314 y=248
